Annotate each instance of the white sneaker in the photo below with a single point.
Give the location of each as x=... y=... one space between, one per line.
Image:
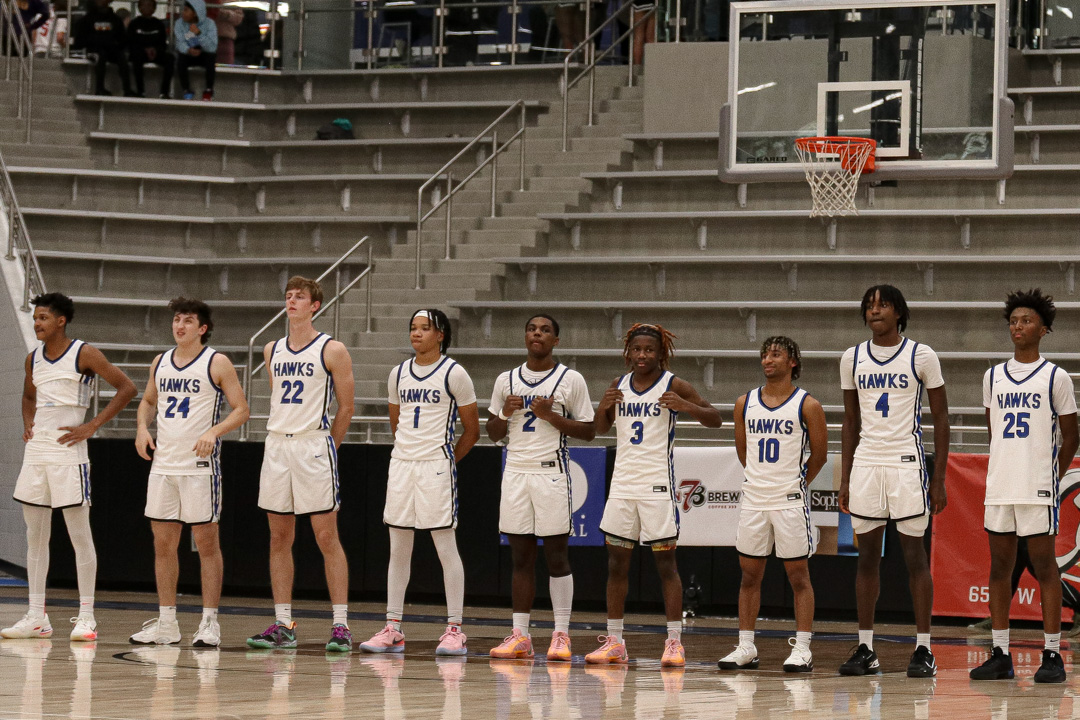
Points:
x=799 y=660
x=29 y=627
x=155 y=632
x=743 y=657
x=85 y=628
x=209 y=634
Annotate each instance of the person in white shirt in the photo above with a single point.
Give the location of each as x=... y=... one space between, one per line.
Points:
x=883 y=471
x=426 y=395
x=782 y=442
x=183 y=396
x=536 y=407
x=1027 y=399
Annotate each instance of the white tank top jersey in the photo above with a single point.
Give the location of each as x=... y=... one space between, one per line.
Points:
x=63 y=394
x=188 y=404
x=645 y=438
x=302 y=390
x=777 y=448
x=890 y=383
x=1025 y=400
x=428 y=397
x=535 y=446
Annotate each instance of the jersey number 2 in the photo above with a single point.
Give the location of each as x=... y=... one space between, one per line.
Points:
x=295 y=387
x=529 y=420
x=172 y=409
x=1016 y=425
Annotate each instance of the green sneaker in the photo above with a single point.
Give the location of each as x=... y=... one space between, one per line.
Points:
x=274 y=637
x=340 y=639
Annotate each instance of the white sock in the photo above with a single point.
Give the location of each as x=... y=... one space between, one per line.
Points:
x=1053 y=641
x=1001 y=639
x=615 y=628
x=521 y=623
x=341 y=615
x=86 y=606
x=802 y=640
x=453 y=573
x=562 y=598
x=167 y=613
x=283 y=613
x=674 y=630
x=746 y=638
x=209 y=613
x=866 y=637
x=397 y=574
x=37 y=605
x=922 y=640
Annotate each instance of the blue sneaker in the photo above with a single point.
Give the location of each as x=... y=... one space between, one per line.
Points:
x=188 y=95
x=340 y=639
x=274 y=637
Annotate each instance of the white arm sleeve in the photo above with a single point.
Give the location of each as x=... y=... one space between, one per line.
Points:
x=498 y=394
x=987 y=394
x=578 y=403
x=391 y=386
x=847 y=370
x=461 y=386
x=1064 y=397
x=927 y=367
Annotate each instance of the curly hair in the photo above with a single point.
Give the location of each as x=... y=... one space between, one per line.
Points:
x=57 y=303
x=663 y=337
x=1034 y=299
x=186 y=306
x=787 y=345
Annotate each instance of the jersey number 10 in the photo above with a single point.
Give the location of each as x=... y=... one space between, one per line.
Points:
x=768 y=450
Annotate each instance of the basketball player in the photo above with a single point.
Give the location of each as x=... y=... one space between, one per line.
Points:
x=782 y=441
x=307 y=369
x=883 y=471
x=184 y=395
x=1026 y=399
x=426 y=393
x=56 y=469
x=641 y=505
x=536 y=407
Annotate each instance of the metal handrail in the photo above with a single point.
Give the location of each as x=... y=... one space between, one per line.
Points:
x=18 y=241
x=24 y=47
x=452 y=189
x=250 y=369
x=590 y=64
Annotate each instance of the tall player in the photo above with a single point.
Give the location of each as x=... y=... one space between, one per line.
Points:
x=641 y=505
x=56 y=468
x=883 y=472
x=426 y=394
x=1026 y=399
x=184 y=395
x=536 y=407
x=782 y=441
x=307 y=369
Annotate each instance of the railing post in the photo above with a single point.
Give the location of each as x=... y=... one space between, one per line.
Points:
x=419 y=230
x=566 y=102
x=29 y=88
x=494 y=169
x=370 y=33
x=449 y=205
x=514 y=8
x=337 y=301
x=302 y=16
x=678 y=20
x=441 y=50
x=370 y=247
x=11 y=227
x=521 y=152
x=273 y=32
x=592 y=92
x=26 y=290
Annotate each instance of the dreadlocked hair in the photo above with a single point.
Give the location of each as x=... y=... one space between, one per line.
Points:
x=664 y=338
x=787 y=345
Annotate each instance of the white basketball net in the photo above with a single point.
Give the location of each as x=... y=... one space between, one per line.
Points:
x=833 y=167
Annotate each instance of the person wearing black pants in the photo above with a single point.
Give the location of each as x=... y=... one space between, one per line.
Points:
x=101 y=32
x=196 y=40
x=146 y=44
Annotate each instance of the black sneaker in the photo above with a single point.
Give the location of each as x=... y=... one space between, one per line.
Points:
x=863 y=662
x=922 y=664
x=998 y=667
x=1052 y=669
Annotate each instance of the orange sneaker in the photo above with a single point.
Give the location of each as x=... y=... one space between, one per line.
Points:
x=674 y=654
x=612 y=650
x=514 y=647
x=559 y=649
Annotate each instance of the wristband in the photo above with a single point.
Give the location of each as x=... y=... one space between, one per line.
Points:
x=503 y=417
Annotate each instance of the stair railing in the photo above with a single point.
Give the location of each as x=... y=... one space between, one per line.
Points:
x=589 y=70
x=18 y=241
x=251 y=369
x=451 y=189
x=18 y=47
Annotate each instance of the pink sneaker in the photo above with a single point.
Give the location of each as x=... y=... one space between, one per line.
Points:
x=610 y=651
x=515 y=647
x=452 y=642
x=387 y=640
x=559 y=650
x=674 y=654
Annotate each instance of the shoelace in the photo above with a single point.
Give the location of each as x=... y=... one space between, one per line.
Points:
x=388 y=631
x=672 y=644
x=559 y=642
x=340 y=632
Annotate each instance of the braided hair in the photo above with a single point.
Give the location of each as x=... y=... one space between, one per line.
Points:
x=439 y=321
x=664 y=338
x=787 y=345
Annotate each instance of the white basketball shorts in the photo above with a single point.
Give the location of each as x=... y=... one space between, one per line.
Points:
x=788 y=530
x=421 y=494
x=535 y=504
x=55 y=486
x=879 y=493
x=299 y=475
x=191 y=499
x=648 y=521
x=1021 y=520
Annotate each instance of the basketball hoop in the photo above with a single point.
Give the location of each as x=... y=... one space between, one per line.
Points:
x=833 y=166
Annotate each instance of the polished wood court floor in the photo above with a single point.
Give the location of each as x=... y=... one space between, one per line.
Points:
x=111 y=679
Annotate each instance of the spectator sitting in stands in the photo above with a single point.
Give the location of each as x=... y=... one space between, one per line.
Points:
x=196 y=41
x=227 y=20
x=125 y=17
x=147 y=37
x=101 y=33
x=34 y=14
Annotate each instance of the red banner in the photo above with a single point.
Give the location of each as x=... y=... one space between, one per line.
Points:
x=960 y=552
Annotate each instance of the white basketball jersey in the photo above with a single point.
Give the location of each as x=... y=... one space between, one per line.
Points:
x=777 y=448
x=1023 y=466
x=302 y=388
x=427 y=411
x=63 y=394
x=645 y=432
x=890 y=404
x=534 y=445
x=188 y=403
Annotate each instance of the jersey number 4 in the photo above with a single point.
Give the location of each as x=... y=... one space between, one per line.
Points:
x=292 y=386
x=172 y=409
x=883 y=405
x=1016 y=425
